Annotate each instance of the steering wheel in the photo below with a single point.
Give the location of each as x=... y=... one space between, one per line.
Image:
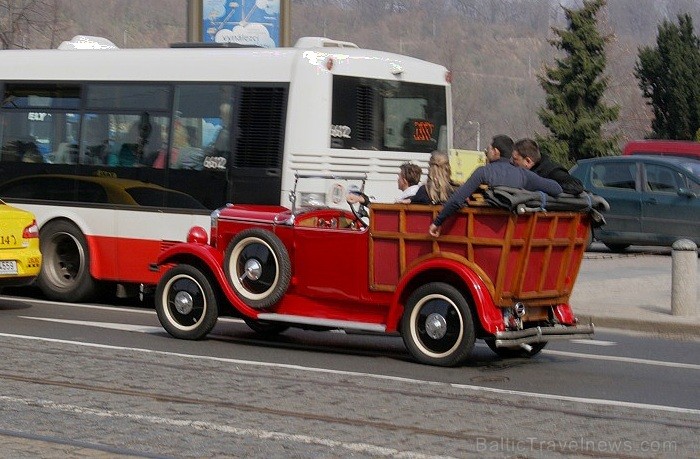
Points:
x=359 y=212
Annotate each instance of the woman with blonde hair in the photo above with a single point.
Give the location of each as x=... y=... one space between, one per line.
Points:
x=439 y=186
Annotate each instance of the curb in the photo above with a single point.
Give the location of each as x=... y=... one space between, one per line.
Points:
x=666 y=329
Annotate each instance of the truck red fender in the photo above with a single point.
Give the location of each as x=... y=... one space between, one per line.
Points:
x=564 y=314
x=430 y=270
x=213 y=259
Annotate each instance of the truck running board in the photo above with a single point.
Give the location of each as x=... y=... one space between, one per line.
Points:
x=330 y=323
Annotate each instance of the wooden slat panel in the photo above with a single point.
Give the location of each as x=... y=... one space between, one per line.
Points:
x=534 y=257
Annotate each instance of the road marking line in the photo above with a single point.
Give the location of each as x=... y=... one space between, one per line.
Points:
x=154 y=330
x=613 y=358
x=360 y=448
x=593 y=342
x=109 y=325
x=592 y=401
x=78 y=305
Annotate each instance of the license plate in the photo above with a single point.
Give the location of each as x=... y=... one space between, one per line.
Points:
x=8 y=267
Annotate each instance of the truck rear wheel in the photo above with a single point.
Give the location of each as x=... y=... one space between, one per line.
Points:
x=186 y=303
x=437 y=325
x=516 y=351
x=65 y=270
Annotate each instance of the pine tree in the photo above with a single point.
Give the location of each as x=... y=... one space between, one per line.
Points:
x=668 y=77
x=575 y=112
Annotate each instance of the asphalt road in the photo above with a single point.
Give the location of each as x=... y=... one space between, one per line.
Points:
x=99 y=380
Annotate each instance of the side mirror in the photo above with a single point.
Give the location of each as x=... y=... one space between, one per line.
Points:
x=687 y=193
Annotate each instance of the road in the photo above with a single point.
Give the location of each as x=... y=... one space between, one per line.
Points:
x=95 y=380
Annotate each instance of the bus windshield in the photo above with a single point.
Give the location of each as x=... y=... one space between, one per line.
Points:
x=387 y=116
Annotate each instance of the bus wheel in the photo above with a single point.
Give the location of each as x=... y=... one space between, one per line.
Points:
x=186 y=303
x=516 y=351
x=437 y=325
x=257 y=266
x=65 y=270
x=264 y=327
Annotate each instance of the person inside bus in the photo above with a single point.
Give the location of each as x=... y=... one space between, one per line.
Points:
x=498 y=171
x=181 y=139
x=221 y=144
x=526 y=154
x=191 y=156
x=156 y=145
x=127 y=153
x=439 y=186
x=408 y=182
x=95 y=143
x=67 y=153
x=29 y=151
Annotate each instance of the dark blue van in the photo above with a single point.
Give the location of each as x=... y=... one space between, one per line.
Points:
x=654 y=200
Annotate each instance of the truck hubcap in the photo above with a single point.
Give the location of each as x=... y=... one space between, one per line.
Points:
x=183 y=302
x=436 y=326
x=252 y=270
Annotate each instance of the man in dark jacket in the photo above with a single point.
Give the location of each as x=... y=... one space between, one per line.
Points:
x=497 y=172
x=526 y=154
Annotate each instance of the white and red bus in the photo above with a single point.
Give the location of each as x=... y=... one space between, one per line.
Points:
x=119 y=152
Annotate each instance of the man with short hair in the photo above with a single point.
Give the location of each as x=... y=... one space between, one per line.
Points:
x=526 y=154
x=408 y=180
x=497 y=172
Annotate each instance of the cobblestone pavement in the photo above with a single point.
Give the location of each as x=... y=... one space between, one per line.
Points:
x=75 y=401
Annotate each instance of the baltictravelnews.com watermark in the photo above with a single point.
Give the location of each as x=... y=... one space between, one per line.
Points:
x=580 y=444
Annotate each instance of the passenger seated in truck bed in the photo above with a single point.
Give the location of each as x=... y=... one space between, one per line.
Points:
x=497 y=172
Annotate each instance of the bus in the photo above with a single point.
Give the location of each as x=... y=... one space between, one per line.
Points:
x=119 y=152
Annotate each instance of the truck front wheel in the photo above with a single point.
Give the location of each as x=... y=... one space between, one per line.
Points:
x=437 y=325
x=186 y=303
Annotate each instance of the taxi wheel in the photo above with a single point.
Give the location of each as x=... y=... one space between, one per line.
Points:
x=264 y=327
x=516 y=351
x=258 y=267
x=186 y=303
x=589 y=239
x=65 y=270
x=437 y=325
x=617 y=248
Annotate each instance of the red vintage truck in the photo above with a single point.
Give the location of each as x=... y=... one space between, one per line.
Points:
x=494 y=274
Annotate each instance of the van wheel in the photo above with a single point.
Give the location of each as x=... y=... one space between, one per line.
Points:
x=258 y=267
x=516 y=351
x=65 y=270
x=589 y=239
x=186 y=303
x=437 y=325
x=617 y=248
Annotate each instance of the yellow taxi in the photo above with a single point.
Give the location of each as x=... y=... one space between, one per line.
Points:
x=20 y=258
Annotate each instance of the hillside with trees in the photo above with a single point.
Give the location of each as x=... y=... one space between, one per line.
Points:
x=496 y=49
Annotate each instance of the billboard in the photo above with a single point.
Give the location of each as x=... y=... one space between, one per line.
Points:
x=246 y=22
